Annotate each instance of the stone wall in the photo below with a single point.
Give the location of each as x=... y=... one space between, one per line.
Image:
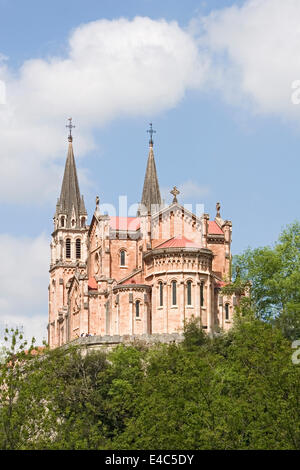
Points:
x=109 y=342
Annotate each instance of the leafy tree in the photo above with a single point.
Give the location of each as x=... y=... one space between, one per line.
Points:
x=234 y=390
x=274 y=274
x=194 y=335
x=12 y=371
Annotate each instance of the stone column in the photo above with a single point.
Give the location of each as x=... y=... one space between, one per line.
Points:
x=197 y=300
x=107 y=318
x=118 y=317
x=146 y=314
x=205 y=230
x=166 y=302
x=61 y=249
x=60 y=291
x=163 y=310
x=181 y=301
x=73 y=251
x=131 y=313
x=208 y=305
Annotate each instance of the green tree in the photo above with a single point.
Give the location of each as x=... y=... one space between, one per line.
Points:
x=274 y=274
x=13 y=410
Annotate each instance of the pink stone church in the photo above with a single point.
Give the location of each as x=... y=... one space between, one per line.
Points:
x=138 y=275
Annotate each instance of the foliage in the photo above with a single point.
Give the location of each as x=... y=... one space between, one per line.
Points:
x=234 y=390
x=238 y=390
x=194 y=335
x=12 y=372
x=274 y=275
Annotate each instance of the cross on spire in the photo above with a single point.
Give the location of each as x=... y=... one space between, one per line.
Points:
x=70 y=127
x=175 y=193
x=151 y=132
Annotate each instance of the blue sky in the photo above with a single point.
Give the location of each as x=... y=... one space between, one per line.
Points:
x=226 y=127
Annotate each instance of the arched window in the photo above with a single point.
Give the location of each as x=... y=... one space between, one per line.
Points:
x=137 y=308
x=78 y=248
x=82 y=222
x=161 y=294
x=226 y=311
x=73 y=222
x=122 y=258
x=202 y=294
x=68 y=248
x=96 y=264
x=62 y=221
x=189 y=293
x=174 y=293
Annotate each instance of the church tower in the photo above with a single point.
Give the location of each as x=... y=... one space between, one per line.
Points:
x=69 y=248
x=151 y=199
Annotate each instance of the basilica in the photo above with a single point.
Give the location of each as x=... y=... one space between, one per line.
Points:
x=148 y=274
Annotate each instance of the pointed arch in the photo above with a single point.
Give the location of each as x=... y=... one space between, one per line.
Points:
x=123 y=257
x=174 y=292
x=137 y=308
x=226 y=311
x=189 y=292
x=78 y=248
x=161 y=293
x=68 y=248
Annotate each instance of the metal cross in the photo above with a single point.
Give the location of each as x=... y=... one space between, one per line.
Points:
x=175 y=193
x=151 y=132
x=70 y=127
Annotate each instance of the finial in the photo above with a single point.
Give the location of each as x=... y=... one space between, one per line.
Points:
x=175 y=193
x=218 y=207
x=70 y=127
x=151 y=132
x=97 y=209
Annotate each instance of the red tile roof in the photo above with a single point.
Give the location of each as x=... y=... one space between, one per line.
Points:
x=178 y=242
x=92 y=283
x=125 y=223
x=214 y=229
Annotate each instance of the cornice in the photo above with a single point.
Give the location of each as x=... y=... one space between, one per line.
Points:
x=178 y=251
x=130 y=287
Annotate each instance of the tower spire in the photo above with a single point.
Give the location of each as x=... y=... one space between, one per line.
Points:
x=70 y=203
x=151 y=193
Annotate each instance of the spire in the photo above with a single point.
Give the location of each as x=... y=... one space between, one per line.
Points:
x=70 y=203
x=151 y=192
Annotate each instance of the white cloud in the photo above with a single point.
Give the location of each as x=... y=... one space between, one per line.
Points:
x=255 y=53
x=189 y=191
x=23 y=284
x=112 y=68
x=251 y=54
x=192 y=190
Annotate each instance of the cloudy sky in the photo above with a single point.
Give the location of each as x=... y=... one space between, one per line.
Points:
x=215 y=77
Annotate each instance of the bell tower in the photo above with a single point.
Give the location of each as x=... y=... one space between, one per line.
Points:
x=151 y=199
x=69 y=251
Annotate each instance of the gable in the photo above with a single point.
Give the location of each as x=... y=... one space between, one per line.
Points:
x=176 y=221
